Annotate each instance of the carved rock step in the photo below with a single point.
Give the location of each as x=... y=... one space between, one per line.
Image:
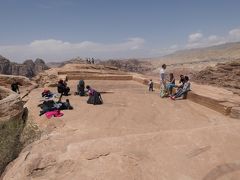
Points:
x=100 y=77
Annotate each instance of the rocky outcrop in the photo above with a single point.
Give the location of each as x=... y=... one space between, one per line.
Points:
x=134 y=135
x=223 y=74
x=12 y=120
x=76 y=60
x=17 y=130
x=28 y=68
x=44 y=79
x=4 y=65
x=7 y=80
x=39 y=66
x=131 y=65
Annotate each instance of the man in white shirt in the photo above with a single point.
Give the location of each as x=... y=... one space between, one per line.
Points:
x=162 y=75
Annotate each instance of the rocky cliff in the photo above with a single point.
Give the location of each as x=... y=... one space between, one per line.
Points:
x=16 y=128
x=223 y=74
x=130 y=65
x=28 y=68
x=12 y=121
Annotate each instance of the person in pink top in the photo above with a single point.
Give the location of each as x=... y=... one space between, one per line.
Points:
x=91 y=91
x=94 y=96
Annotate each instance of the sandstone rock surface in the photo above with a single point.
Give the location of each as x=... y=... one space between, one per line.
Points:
x=133 y=135
x=12 y=120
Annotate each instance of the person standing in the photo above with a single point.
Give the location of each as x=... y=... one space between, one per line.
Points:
x=163 y=91
x=163 y=75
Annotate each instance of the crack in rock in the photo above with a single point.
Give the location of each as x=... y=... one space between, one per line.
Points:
x=97 y=156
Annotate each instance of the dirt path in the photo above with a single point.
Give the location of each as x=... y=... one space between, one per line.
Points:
x=134 y=135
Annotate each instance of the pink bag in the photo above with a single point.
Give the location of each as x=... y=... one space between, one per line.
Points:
x=55 y=113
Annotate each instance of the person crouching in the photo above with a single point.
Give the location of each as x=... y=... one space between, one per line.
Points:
x=94 y=96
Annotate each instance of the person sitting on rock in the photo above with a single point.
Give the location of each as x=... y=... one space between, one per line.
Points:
x=181 y=82
x=64 y=105
x=62 y=88
x=183 y=91
x=94 y=96
x=14 y=86
x=51 y=105
x=171 y=84
x=81 y=88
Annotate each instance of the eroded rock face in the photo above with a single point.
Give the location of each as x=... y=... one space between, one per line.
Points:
x=7 y=80
x=45 y=79
x=12 y=122
x=4 y=65
x=223 y=74
x=131 y=65
x=39 y=66
x=28 y=68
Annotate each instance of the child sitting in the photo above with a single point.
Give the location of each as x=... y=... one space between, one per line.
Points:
x=150 y=85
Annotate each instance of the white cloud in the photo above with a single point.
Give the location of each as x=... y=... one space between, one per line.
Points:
x=212 y=38
x=57 y=50
x=52 y=49
x=198 y=40
x=195 y=37
x=234 y=34
x=206 y=41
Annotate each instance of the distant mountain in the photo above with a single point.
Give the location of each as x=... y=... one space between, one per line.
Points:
x=201 y=57
x=28 y=68
x=130 y=65
x=223 y=52
x=77 y=60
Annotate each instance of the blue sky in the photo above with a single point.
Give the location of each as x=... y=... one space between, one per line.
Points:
x=61 y=29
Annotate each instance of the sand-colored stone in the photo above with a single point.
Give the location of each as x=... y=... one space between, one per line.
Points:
x=235 y=112
x=135 y=134
x=218 y=99
x=10 y=105
x=99 y=77
x=12 y=120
